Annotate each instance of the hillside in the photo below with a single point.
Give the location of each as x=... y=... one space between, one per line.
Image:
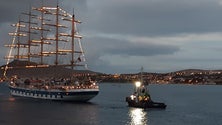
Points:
x=52 y=71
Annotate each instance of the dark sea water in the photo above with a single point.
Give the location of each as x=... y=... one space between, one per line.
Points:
x=186 y=105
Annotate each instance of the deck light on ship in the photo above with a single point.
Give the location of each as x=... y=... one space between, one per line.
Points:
x=138 y=84
x=132 y=97
x=94 y=83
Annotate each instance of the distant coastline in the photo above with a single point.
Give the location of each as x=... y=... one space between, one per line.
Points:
x=188 y=76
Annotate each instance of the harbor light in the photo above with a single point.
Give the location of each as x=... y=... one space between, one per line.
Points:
x=138 y=84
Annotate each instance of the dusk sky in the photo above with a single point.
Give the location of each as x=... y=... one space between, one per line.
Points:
x=120 y=36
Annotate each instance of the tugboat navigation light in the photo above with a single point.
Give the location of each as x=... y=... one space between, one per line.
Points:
x=138 y=84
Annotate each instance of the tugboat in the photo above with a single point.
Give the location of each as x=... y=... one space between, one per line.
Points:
x=141 y=97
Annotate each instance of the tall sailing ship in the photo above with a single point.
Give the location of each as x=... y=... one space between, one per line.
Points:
x=46 y=51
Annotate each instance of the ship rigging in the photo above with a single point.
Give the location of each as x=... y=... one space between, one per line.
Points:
x=47 y=39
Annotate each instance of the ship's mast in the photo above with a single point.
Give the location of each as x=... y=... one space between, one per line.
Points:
x=18 y=42
x=73 y=35
x=29 y=36
x=41 y=32
x=29 y=43
x=57 y=35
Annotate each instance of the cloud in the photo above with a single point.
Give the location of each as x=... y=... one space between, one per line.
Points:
x=11 y=9
x=129 y=47
x=151 y=18
x=113 y=44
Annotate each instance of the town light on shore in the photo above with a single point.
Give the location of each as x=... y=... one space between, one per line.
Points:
x=138 y=84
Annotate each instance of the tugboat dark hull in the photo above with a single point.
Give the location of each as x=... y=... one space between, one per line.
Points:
x=145 y=104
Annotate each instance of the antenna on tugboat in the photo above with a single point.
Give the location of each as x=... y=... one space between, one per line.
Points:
x=42 y=3
x=141 y=74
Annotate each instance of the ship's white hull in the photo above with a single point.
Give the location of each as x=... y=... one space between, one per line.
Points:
x=78 y=95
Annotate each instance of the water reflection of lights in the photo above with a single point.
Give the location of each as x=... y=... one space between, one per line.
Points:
x=138 y=116
x=11 y=99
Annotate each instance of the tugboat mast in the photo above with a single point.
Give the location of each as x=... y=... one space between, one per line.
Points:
x=141 y=75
